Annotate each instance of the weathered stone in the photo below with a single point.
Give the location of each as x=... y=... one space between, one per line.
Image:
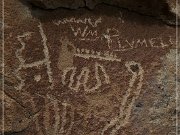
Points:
x=107 y=71
x=16 y=118
x=163 y=9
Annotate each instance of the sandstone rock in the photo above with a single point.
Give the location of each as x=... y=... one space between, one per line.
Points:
x=106 y=71
x=163 y=9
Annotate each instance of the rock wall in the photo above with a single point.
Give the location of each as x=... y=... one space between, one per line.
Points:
x=163 y=9
x=106 y=71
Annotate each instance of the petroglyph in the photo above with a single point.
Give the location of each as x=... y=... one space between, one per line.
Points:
x=59 y=111
x=21 y=60
x=46 y=61
x=112 y=37
x=103 y=56
x=67 y=54
x=84 y=33
x=46 y=53
x=86 y=21
x=128 y=99
x=83 y=77
x=108 y=35
x=145 y=43
x=87 y=30
x=65 y=63
x=68 y=51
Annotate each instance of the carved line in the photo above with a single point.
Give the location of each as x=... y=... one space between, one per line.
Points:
x=60 y=119
x=18 y=54
x=57 y=117
x=108 y=37
x=124 y=116
x=47 y=56
x=46 y=118
x=99 y=83
x=72 y=75
x=88 y=56
x=85 y=75
x=74 y=20
x=63 y=122
x=22 y=64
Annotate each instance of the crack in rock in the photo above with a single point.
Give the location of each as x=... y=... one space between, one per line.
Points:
x=166 y=10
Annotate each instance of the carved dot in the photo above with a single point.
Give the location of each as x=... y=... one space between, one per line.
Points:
x=37 y=78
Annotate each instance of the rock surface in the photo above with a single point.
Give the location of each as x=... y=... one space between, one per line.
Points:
x=163 y=9
x=16 y=118
x=106 y=71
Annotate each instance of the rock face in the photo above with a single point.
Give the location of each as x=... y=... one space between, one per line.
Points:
x=16 y=118
x=163 y=9
x=106 y=71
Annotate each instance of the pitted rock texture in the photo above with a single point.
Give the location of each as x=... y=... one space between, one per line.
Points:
x=163 y=9
x=107 y=71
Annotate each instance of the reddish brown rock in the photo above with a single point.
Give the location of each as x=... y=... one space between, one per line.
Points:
x=108 y=71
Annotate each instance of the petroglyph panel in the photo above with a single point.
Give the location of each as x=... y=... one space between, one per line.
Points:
x=97 y=72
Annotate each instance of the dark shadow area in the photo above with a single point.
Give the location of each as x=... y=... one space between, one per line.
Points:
x=160 y=11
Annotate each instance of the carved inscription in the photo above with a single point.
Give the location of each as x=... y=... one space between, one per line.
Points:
x=88 y=31
x=83 y=77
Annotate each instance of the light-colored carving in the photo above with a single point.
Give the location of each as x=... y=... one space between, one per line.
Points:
x=46 y=117
x=47 y=56
x=21 y=60
x=46 y=61
x=141 y=43
x=85 y=34
x=73 y=70
x=64 y=120
x=57 y=117
x=131 y=95
x=83 y=77
x=37 y=78
x=105 y=56
x=156 y=42
x=86 y=21
x=58 y=110
x=109 y=37
x=62 y=130
x=79 y=31
x=92 y=39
